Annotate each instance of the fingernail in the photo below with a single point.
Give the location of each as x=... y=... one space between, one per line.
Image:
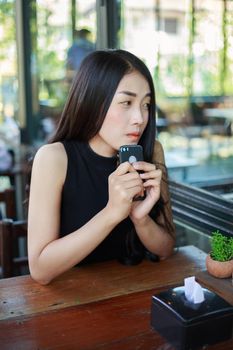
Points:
x=135 y=165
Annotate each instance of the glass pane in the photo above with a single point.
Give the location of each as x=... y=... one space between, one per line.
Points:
x=207 y=45
x=136 y=29
x=8 y=65
x=55 y=38
x=166 y=49
x=229 y=30
x=53 y=23
x=84 y=36
x=86 y=17
x=172 y=24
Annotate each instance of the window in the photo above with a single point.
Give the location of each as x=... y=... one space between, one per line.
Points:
x=8 y=62
x=171 y=25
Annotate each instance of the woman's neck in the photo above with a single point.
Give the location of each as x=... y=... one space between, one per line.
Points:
x=101 y=148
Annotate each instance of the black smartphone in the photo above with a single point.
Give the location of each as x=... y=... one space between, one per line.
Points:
x=131 y=154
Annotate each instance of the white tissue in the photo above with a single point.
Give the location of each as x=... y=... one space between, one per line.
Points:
x=193 y=291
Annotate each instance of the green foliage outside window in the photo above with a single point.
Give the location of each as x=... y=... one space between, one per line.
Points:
x=7 y=28
x=51 y=59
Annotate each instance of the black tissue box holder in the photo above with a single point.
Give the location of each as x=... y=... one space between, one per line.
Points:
x=186 y=325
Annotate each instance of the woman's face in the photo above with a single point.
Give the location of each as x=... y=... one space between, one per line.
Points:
x=127 y=116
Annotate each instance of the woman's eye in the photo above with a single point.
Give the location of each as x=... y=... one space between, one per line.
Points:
x=146 y=106
x=126 y=103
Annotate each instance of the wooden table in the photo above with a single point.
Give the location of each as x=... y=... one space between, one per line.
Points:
x=101 y=306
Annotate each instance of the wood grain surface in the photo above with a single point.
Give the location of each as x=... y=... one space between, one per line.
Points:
x=103 y=306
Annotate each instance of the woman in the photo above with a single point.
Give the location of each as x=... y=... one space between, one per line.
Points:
x=81 y=206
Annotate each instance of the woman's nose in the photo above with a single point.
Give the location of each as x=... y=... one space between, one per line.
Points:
x=137 y=117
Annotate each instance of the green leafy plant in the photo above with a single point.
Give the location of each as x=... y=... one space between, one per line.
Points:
x=221 y=246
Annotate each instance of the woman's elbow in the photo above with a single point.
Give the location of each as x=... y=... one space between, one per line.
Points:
x=38 y=276
x=168 y=249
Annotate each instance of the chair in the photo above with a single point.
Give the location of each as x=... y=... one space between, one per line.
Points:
x=11 y=243
x=8 y=198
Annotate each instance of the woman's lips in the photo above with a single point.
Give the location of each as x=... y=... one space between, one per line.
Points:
x=134 y=135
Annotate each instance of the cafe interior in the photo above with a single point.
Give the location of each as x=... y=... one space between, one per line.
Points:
x=188 y=48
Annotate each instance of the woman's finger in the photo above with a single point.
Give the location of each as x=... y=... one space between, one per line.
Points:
x=124 y=168
x=151 y=174
x=144 y=166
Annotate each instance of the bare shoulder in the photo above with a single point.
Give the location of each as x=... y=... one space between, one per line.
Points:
x=50 y=158
x=53 y=152
x=158 y=155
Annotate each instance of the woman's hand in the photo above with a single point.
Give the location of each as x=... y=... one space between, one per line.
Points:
x=124 y=184
x=152 y=179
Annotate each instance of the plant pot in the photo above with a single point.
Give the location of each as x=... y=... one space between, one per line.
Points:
x=220 y=269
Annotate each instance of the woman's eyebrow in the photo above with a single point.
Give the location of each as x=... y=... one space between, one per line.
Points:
x=130 y=93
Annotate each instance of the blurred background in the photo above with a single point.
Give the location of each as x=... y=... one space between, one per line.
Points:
x=187 y=45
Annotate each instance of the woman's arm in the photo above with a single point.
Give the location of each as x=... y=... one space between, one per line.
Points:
x=155 y=236
x=49 y=255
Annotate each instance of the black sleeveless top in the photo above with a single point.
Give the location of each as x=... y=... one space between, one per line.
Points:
x=85 y=193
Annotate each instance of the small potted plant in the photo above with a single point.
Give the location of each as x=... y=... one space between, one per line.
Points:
x=219 y=262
